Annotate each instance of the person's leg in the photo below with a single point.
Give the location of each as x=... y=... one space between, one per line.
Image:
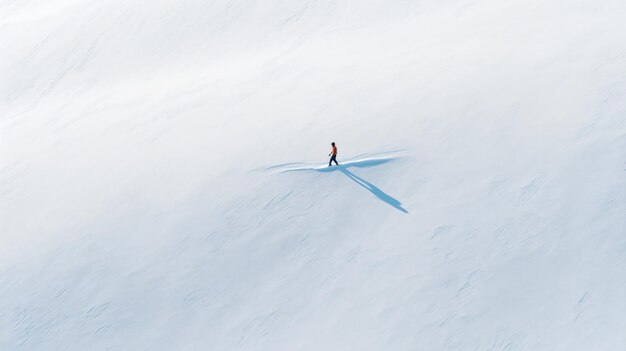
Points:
x=330 y=162
x=334 y=158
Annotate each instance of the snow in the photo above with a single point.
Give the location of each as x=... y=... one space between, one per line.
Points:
x=164 y=181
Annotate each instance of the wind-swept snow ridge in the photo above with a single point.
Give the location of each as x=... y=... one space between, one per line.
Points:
x=361 y=161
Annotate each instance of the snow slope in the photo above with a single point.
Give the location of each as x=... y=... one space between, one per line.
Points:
x=162 y=183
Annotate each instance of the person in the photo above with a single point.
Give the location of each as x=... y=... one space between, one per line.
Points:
x=333 y=155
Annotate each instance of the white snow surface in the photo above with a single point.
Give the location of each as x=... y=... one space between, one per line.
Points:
x=163 y=182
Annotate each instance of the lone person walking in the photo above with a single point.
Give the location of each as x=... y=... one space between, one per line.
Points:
x=333 y=155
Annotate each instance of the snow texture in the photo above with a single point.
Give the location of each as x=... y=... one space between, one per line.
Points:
x=163 y=179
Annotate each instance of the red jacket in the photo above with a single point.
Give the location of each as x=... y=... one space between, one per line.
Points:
x=334 y=151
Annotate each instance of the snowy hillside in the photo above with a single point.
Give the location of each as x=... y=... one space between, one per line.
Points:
x=163 y=182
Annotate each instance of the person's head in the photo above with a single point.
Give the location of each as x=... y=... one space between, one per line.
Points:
x=333 y=143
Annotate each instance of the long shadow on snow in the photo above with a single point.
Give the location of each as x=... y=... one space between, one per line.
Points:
x=343 y=168
x=364 y=183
